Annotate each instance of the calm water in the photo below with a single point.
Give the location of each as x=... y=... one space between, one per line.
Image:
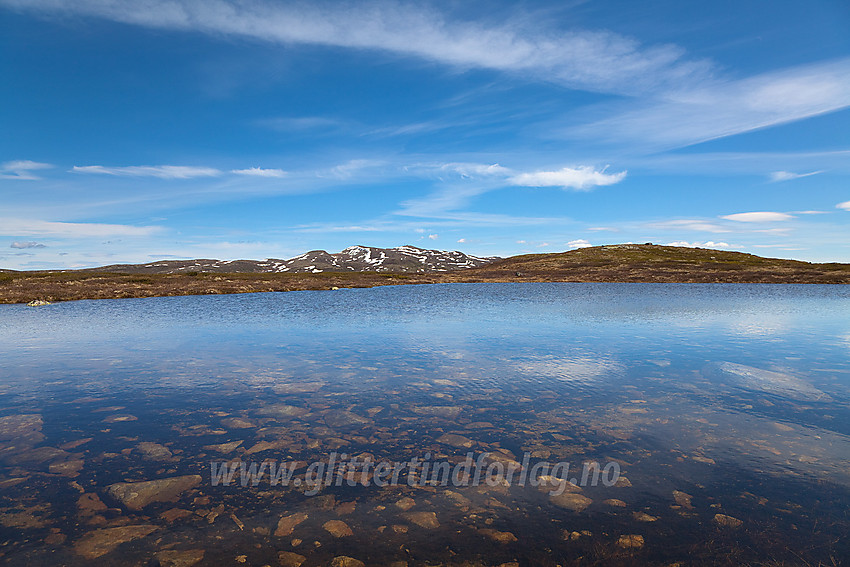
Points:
x=726 y=409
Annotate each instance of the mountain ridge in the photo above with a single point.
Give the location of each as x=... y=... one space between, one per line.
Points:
x=400 y=259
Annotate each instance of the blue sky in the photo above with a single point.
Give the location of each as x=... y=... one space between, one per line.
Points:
x=136 y=131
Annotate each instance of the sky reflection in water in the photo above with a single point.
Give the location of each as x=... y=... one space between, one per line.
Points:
x=735 y=395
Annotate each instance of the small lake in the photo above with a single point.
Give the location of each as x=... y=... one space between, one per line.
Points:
x=572 y=424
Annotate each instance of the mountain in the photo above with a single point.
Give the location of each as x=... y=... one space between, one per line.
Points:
x=402 y=259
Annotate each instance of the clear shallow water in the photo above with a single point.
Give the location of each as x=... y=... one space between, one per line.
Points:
x=712 y=399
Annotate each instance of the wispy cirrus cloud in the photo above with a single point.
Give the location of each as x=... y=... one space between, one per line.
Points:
x=777 y=176
x=160 y=171
x=22 y=169
x=470 y=170
x=32 y=227
x=592 y=60
x=695 y=225
x=673 y=99
x=695 y=113
x=758 y=216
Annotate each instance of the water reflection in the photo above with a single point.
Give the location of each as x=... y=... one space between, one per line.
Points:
x=733 y=445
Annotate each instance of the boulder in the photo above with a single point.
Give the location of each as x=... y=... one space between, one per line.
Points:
x=137 y=495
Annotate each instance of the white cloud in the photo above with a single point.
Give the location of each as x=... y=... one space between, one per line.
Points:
x=845 y=205
x=760 y=216
x=788 y=175
x=592 y=60
x=21 y=169
x=22 y=227
x=582 y=178
x=433 y=236
x=160 y=171
x=260 y=172
x=25 y=245
x=453 y=194
x=706 y=244
x=580 y=243
x=461 y=240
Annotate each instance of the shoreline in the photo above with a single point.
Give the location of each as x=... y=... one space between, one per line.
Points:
x=23 y=287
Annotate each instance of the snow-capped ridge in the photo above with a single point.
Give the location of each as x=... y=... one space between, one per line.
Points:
x=358 y=258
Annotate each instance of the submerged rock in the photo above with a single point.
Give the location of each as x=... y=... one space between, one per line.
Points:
x=282 y=411
x=345 y=561
x=223 y=448
x=497 y=536
x=339 y=418
x=237 y=423
x=24 y=429
x=630 y=541
x=37 y=456
x=175 y=514
x=120 y=418
x=337 y=528
x=727 y=521
x=643 y=517
x=178 y=558
x=683 y=499
x=448 y=412
x=137 y=495
x=31 y=517
x=261 y=446
x=287 y=524
x=100 y=542
x=427 y=520
x=458 y=441
x=89 y=504
x=67 y=468
x=290 y=559
x=154 y=451
x=571 y=501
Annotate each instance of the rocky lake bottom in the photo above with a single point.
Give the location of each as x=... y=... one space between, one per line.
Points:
x=691 y=424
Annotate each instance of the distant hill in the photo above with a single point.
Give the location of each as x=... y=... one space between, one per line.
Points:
x=649 y=262
x=402 y=259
